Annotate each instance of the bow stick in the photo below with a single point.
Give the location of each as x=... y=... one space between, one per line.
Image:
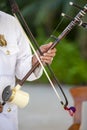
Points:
x=76 y=20
x=16 y=12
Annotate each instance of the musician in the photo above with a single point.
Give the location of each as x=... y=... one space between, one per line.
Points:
x=16 y=59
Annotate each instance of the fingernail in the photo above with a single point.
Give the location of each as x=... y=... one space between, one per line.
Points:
x=44 y=54
x=41 y=57
x=52 y=59
x=49 y=51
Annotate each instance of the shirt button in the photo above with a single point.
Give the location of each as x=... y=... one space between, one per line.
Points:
x=9 y=110
x=8 y=52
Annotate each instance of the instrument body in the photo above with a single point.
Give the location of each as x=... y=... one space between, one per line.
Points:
x=15 y=96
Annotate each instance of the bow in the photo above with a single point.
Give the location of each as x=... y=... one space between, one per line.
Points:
x=74 y=22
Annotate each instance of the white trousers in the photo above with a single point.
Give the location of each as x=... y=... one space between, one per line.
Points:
x=8 y=118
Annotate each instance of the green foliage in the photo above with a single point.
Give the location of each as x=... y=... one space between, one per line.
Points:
x=71 y=67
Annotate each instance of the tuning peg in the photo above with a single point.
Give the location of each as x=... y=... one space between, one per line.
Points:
x=67 y=16
x=84 y=25
x=75 y=5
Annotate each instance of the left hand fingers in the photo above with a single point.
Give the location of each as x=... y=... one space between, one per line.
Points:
x=50 y=53
x=48 y=57
x=45 y=47
x=46 y=60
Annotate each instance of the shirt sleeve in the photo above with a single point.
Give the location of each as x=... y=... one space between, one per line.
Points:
x=24 y=57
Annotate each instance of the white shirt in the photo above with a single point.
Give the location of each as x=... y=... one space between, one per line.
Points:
x=19 y=59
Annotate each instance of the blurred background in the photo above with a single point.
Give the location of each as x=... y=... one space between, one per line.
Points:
x=44 y=19
x=70 y=63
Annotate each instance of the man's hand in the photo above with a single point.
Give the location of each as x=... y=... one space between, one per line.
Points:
x=47 y=56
